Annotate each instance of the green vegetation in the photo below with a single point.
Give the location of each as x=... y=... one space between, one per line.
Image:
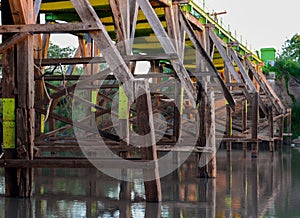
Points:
x=287 y=64
x=64 y=106
x=288 y=61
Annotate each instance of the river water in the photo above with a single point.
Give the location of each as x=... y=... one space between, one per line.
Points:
x=268 y=186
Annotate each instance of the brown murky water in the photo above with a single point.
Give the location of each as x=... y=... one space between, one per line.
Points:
x=266 y=187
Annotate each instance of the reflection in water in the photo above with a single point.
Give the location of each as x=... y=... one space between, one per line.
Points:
x=244 y=187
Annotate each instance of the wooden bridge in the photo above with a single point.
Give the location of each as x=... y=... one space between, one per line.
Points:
x=202 y=89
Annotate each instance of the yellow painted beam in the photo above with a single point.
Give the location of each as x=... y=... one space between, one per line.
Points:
x=67 y=5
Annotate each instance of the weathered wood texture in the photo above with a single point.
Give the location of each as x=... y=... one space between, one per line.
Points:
x=146 y=131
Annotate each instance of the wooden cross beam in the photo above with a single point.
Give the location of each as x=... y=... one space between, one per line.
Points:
x=168 y=48
x=48 y=28
x=212 y=69
x=103 y=41
x=264 y=84
x=246 y=77
x=249 y=87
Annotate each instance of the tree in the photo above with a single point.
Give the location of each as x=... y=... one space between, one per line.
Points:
x=288 y=61
x=291 y=49
x=65 y=103
x=287 y=64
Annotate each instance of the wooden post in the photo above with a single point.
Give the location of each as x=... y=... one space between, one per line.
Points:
x=228 y=110
x=280 y=135
x=18 y=78
x=211 y=140
x=271 y=128
x=244 y=122
x=289 y=127
x=178 y=112
x=146 y=130
x=254 y=147
x=8 y=81
x=228 y=126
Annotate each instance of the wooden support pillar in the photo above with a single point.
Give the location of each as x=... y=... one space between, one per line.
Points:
x=146 y=130
x=18 y=80
x=289 y=127
x=254 y=146
x=228 y=126
x=244 y=122
x=25 y=112
x=211 y=138
x=178 y=112
x=9 y=146
x=123 y=118
x=228 y=110
x=271 y=128
x=280 y=134
x=8 y=81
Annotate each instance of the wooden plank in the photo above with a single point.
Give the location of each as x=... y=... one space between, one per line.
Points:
x=12 y=41
x=225 y=57
x=103 y=41
x=48 y=28
x=134 y=10
x=245 y=76
x=120 y=11
x=168 y=48
x=22 y=11
x=93 y=60
x=193 y=20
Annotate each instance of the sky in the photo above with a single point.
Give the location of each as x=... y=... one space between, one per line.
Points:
x=262 y=23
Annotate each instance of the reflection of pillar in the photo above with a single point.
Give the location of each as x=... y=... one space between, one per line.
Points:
x=124 y=208
x=255 y=188
x=211 y=188
x=245 y=188
x=153 y=210
x=17 y=207
x=228 y=196
x=289 y=168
